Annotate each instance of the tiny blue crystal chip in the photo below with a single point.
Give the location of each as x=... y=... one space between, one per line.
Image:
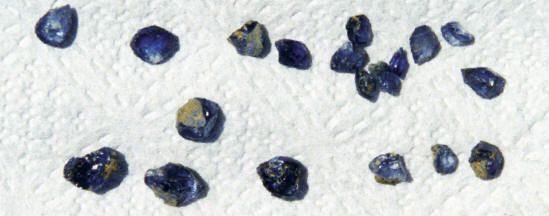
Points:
x=486 y=161
x=348 y=59
x=58 y=27
x=199 y=120
x=252 y=39
x=386 y=80
x=399 y=63
x=455 y=35
x=284 y=177
x=483 y=81
x=424 y=44
x=98 y=171
x=366 y=85
x=176 y=185
x=445 y=160
x=154 y=45
x=359 y=30
x=390 y=169
x=293 y=54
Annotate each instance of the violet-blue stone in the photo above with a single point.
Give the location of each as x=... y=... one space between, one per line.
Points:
x=386 y=80
x=176 y=185
x=399 y=63
x=366 y=85
x=58 y=27
x=293 y=53
x=348 y=59
x=455 y=35
x=486 y=161
x=251 y=39
x=445 y=160
x=284 y=177
x=359 y=30
x=200 y=120
x=483 y=81
x=424 y=44
x=390 y=169
x=154 y=45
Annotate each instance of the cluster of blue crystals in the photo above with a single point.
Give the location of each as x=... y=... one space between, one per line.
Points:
x=424 y=44
x=483 y=81
x=486 y=161
x=359 y=30
x=98 y=171
x=455 y=35
x=349 y=59
x=293 y=54
x=390 y=169
x=387 y=81
x=154 y=45
x=445 y=160
x=284 y=177
x=251 y=39
x=200 y=120
x=366 y=85
x=58 y=27
x=175 y=184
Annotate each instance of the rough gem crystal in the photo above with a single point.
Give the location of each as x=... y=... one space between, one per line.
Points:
x=424 y=44
x=445 y=160
x=251 y=39
x=483 y=81
x=359 y=30
x=386 y=80
x=154 y=45
x=293 y=54
x=175 y=184
x=284 y=177
x=199 y=120
x=455 y=35
x=399 y=63
x=390 y=169
x=486 y=161
x=366 y=85
x=58 y=27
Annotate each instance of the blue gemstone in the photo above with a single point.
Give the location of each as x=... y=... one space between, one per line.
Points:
x=390 y=168
x=176 y=185
x=284 y=177
x=293 y=54
x=348 y=59
x=154 y=45
x=200 y=120
x=486 y=161
x=483 y=81
x=359 y=30
x=399 y=63
x=366 y=85
x=444 y=159
x=252 y=39
x=98 y=171
x=386 y=80
x=424 y=44
x=58 y=27
x=455 y=35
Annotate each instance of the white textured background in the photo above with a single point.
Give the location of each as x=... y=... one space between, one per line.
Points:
x=59 y=103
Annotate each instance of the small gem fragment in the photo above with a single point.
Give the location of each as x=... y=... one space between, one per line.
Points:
x=386 y=80
x=284 y=177
x=455 y=35
x=483 y=81
x=176 y=185
x=424 y=44
x=251 y=39
x=154 y=45
x=366 y=85
x=199 y=120
x=399 y=63
x=486 y=161
x=348 y=59
x=293 y=53
x=359 y=30
x=390 y=169
x=445 y=160
x=58 y=27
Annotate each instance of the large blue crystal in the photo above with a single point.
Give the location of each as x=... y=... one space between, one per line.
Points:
x=175 y=184
x=483 y=81
x=486 y=161
x=386 y=80
x=424 y=44
x=444 y=159
x=366 y=85
x=58 y=27
x=348 y=59
x=293 y=54
x=154 y=45
x=200 y=120
x=455 y=35
x=399 y=63
x=390 y=169
x=359 y=30
x=251 y=39
x=284 y=177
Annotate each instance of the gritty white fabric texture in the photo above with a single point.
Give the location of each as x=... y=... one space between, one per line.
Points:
x=59 y=103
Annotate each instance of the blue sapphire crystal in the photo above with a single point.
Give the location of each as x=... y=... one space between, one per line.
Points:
x=424 y=44
x=293 y=54
x=444 y=159
x=284 y=177
x=483 y=81
x=455 y=35
x=251 y=39
x=386 y=80
x=154 y=45
x=176 y=185
x=399 y=63
x=58 y=27
x=348 y=59
x=390 y=169
x=359 y=30
x=486 y=161
x=200 y=120
x=98 y=171
x=366 y=85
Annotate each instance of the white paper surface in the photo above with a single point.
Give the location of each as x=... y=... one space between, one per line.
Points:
x=59 y=103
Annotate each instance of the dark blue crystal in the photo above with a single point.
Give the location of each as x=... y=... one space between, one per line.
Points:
x=444 y=159
x=424 y=44
x=359 y=30
x=200 y=120
x=284 y=177
x=386 y=80
x=98 y=171
x=348 y=59
x=58 y=27
x=154 y=45
x=399 y=63
x=390 y=169
x=366 y=85
x=176 y=185
x=293 y=54
x=455 y=35
x=251 y=39
x=483 y=81
x=486 y=161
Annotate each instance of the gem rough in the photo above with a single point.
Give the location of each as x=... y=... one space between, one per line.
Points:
x=424 y=44
x=486 y=161
x=366 y=85
x=154 y=45
x=348 y=59
x=445 y=160
x=98 y=171
x=284 y=177
x=386 y=80
x=252 y=39
x=390 y=169
x=199 y=120
x=176 y=185
x=58 y=27
x=455 y=35
x=293 y=54
x=359 y=30
x=399 y=63
x=483 y=81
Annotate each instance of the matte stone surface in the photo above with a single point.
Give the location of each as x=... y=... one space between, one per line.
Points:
x=483 y=81
x=154 y=45
x=284 y=177
x=58 y=27
x=486 y=161
x=348 y=59
x=175 y=184
x=399 y=63
x=445 y=160
x=293 y=54
x=455 y=35
x=424 y=44
x=252 y=39
x=359 y=30
x=200 y=120
x=390 y=169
